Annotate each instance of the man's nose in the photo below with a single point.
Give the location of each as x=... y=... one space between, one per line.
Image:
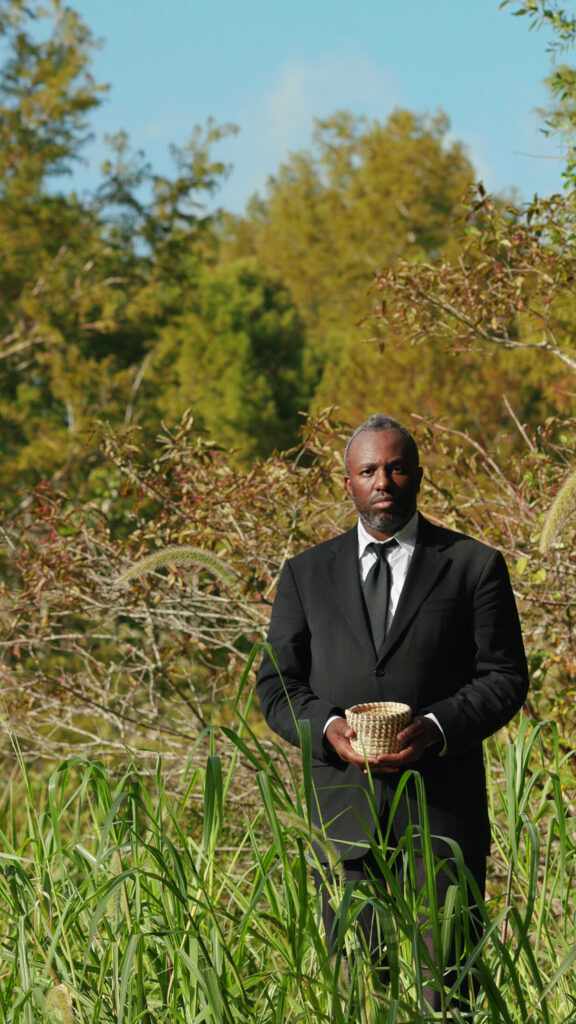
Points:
x=382 y=480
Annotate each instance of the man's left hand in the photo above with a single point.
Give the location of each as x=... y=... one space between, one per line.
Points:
x=422 y=733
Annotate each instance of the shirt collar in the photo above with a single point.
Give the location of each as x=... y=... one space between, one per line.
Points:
x=406 y=536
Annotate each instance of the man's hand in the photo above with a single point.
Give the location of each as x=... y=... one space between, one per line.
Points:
x=414 y=739
x=338 y=735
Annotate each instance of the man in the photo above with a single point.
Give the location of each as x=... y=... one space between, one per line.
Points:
x=446 y=641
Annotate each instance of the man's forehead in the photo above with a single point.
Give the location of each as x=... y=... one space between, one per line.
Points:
x=371 y=444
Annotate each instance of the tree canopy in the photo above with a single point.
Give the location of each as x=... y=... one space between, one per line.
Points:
x=132 y=304
x=156 y=354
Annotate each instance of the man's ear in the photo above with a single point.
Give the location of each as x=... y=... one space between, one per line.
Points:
x=420 y=475
x=348 y=486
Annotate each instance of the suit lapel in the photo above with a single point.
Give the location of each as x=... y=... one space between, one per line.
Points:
x=427 y=566
x=344 y=576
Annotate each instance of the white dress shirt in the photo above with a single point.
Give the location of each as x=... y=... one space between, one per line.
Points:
x=398 y=558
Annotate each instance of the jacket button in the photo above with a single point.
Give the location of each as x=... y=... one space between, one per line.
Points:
x=380 y=672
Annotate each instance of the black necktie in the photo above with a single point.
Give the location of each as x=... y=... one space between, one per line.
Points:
x=377 y=592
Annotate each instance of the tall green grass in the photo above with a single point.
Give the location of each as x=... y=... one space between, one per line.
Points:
x=114 y=909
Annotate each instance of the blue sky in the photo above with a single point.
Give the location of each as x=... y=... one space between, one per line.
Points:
x=271 y=66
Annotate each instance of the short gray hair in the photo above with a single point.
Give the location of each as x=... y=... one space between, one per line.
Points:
x=381 y=422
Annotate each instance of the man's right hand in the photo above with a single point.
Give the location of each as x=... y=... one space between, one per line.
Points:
x=338 y=736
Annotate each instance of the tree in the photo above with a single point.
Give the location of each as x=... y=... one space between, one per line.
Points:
x=85 y=285
x=560 y=27
x=364 y=195
x=236 y=359
x=500 y=301
x=46 y=93
x=370 y=196
x=506 y=308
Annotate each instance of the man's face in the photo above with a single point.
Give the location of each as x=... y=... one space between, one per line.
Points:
x=383 y=482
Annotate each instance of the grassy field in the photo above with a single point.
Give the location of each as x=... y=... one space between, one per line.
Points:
x=116 y=907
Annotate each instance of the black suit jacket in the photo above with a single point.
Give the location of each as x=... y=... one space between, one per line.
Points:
x=454 y=649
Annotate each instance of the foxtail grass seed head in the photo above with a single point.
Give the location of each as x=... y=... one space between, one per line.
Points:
x=184 y=556
x=562 y=508
x=58 y=1005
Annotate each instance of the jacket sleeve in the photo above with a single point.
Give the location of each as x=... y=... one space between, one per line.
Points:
x=283 y=686
x=499 y=683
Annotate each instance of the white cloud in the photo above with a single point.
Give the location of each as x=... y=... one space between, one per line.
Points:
x=280 y=121
x=305 y=90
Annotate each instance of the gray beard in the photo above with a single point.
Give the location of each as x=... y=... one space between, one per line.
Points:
x=385 y=522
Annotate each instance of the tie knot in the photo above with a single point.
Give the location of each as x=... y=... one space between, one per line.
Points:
x=381 y=548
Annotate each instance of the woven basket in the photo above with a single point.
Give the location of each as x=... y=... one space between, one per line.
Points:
x=376 y=726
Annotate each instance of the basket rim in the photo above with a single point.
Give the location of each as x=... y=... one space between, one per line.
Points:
x=381 y=708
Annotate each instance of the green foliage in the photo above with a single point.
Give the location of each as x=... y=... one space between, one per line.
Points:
x=358 y=225
x=161 y=215
x=116 y=906
x=365 y=194
x=93 y=290
x=507 y=303
x=547 y=14
x=46 y=92
x=510 y=282
x=120 y=901
x=134 y=304
x=235 y=358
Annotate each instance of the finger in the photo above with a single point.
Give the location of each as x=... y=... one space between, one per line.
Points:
x=414 y=729
x=407 y=736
